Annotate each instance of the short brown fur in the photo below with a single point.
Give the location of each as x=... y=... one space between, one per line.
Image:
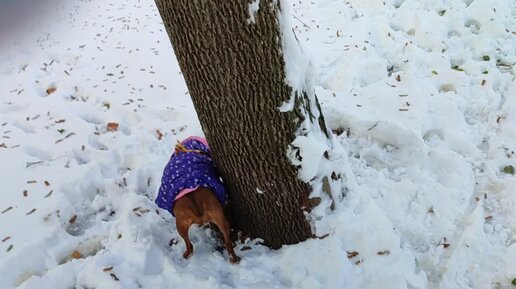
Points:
x=201 y=207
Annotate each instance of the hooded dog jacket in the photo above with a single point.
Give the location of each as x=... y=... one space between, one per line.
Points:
x=189 y=168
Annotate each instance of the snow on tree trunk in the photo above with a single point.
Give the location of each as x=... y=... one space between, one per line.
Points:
x=232 y=57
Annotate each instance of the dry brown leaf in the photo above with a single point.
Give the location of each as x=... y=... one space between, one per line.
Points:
x=76 y=255
x=107 y=269
x=160 y=134
x=112 y=126
x=352 y=254
x=7 y=210
x=323 y=236
x=383 y=253
x=51 y=90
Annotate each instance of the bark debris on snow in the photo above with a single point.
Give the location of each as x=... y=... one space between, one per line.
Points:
x=420 y=95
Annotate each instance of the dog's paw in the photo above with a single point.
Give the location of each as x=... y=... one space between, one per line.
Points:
x=234 y=259
x=187 y=254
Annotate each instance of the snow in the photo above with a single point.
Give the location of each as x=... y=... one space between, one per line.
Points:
x=425 y=126
x=311 y=148
x=253 y=9
x=297 y=63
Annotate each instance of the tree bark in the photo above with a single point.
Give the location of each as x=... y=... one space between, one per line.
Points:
x=235 y=72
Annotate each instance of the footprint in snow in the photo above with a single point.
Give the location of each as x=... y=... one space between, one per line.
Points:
x=79 y=224
x=473 y=26
x=80 y=156
x=26 y=127
x=95 y=143
x=37 y=153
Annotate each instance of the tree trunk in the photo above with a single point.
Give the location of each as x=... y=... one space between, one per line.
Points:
x=233 y=64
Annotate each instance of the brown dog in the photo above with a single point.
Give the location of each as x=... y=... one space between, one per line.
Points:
x=201 y=207
x=192 y=190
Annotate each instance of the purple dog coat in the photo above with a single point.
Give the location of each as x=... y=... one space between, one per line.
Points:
x=189 y=168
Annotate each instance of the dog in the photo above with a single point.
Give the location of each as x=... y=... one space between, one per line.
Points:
x=191 y=189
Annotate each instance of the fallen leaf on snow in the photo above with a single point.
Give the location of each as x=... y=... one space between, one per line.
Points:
x=49 y=194
x=383 y=253
x=352 y=254
x=112 y=126
x=76 y=255
x=114 y=276
x=7 y=210
x=51 y=90
x=160 y=134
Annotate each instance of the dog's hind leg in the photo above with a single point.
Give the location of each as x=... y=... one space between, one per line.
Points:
x=220 y=221
x=182 y=229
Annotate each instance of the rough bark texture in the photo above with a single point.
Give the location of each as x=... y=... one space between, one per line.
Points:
x=235 y=72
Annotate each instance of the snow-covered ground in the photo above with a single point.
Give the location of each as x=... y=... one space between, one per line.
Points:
x=421 y=93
